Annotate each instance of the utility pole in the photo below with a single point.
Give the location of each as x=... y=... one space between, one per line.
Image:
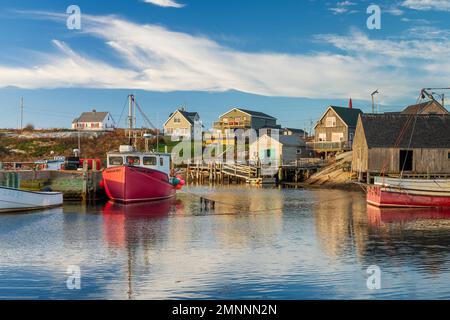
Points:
x=21 y=113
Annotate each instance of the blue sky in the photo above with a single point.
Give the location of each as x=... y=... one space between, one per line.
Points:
x=288 y=58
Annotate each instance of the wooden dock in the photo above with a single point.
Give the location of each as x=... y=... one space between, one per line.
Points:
x=75 y=185
x=224 y=173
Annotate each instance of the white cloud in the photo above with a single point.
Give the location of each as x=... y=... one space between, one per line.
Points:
x=165 y=3
x=438 y=5
x=158 y=59
x=343 y=7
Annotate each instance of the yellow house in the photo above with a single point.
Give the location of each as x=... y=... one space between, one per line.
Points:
x=182 y=124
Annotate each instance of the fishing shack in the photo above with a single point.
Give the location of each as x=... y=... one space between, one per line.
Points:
x=395 y=143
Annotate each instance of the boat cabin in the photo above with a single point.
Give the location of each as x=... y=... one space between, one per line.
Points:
x=149 y=160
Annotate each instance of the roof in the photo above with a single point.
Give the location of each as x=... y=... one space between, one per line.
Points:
x=291 y=141
x=421 y=131
x=421 y=107
x=298 y=131
x=91 y=117
x=190 y=116
x=256 y=114
x=349 y=116
x=294 y=141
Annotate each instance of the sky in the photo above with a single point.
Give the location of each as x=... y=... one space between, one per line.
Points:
x=288 y=58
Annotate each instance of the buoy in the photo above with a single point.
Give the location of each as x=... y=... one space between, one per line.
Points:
x=182 y=182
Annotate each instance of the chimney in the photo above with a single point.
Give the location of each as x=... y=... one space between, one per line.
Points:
x=350 y=104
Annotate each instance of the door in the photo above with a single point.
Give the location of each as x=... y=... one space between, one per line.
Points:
x=406 y=160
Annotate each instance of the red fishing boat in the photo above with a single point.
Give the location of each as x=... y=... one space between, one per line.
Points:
x=133 y=176
x=409 y=193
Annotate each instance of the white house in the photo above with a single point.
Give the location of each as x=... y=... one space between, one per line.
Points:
x=284 y=149
x=94 y=121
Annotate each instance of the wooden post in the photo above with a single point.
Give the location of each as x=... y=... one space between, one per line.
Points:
x=84 y=192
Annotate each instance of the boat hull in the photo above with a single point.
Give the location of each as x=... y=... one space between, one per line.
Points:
x=15 y=200
x=382 y=196
x=136 y=184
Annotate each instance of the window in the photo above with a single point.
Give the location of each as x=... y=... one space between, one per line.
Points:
x=161 y=162
x=149 y=161
x=299 y=151
x=331 y=122
x=337 y=137
x=133 y=161
x=322 y=137
x=268 y=153
x=177 y=120
x=449 y=156
x=115 y=161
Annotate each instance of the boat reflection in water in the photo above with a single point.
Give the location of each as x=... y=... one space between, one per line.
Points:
x=379 y=216
x=140 y=209
x=121 y=221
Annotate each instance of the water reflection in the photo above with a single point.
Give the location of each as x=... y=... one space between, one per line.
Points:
x=257 y=243
x=379 y=217
x=340 y=218
x=419 y=237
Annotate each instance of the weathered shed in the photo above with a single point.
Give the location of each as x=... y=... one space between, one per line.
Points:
x=282 y=149
x=392 y=143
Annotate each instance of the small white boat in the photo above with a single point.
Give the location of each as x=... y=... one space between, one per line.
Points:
x=13 y=200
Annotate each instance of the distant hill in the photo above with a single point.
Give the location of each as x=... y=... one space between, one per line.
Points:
x=23 y=146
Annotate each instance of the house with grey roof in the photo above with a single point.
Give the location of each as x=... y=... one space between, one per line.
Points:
x=182 y=124
x=394 y=143
x=94 y=121
x=238 y=118
x=335 y=130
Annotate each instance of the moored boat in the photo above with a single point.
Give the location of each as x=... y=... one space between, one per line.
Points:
x=409 y=193
x=135 y=177
x=14 y=200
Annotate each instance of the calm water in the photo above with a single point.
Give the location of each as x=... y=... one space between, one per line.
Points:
x=256 y=244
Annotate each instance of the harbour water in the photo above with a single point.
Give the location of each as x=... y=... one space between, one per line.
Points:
x=255 y=244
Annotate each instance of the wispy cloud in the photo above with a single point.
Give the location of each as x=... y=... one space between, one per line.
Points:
x=343 y=7
x=158 y=59
x=438 y=5
x=165 y=3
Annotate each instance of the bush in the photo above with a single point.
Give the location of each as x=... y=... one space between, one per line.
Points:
x=29 y=127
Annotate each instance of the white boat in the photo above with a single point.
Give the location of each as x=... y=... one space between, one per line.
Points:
x=416 y=186
x=13 y=200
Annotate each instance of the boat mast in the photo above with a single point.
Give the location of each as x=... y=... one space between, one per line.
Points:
x=130 y=117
